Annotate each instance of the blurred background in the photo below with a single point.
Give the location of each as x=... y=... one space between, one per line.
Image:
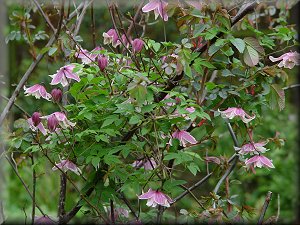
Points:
x=15 y=58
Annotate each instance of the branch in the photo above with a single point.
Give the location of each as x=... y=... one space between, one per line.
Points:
x=28 y=73
x=265 y=207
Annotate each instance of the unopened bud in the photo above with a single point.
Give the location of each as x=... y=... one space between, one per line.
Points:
x=137 y=45
x=52 y=123
x=36 y=118
x=102 y=62
x=56 y=95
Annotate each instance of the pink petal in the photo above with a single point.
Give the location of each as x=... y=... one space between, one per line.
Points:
x=147 y=195
x=41 y=127
x=186 y=136
x=57 y=77
x=153 y=4
x=266 y=161
x=273 y=59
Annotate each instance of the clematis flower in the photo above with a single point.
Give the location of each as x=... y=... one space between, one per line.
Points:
x=102 y=62
x=43 y=220
x=137 y=45
x=111 y=37
x=259 y=161
x=184 y=137
x=66 y=165
x=213 y=159
x=156 y=198
x=62 y=119
x=35 y=123
x=37 y=91
x=159 y=8
x=147 y=164
x=232 y=112
x=252 y=148
x=86 y=56
x=288 y=60
x=62 y=74
x=190 y=109
x=52 y=123
x=56 y=95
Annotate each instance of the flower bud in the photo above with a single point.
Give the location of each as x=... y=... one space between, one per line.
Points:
x=137 y=45
x=56 y=95
x=52 y=123
x=102 y=62
x=36 y=118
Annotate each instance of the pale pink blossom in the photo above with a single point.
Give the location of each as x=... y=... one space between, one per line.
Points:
x=252 y=148
x=37 y=91
x=184 y=137
x=39 y=127
x=232 y=112
x=62 y=119
x=156 y=198
x=190 y=109
x=147 y=164
x=288 y=60
x=159 y=8
x=86 y=56
x=62 y=74
x=66 y=165
x=259 y=161
x=111 y=37
x=137 y=45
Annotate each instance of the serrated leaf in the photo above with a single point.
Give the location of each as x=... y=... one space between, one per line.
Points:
x=239 y=44
x=52 y=51
x=254 y=43
x=251 y=57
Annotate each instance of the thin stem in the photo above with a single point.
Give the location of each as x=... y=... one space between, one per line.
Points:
x=265 y=207
x=33 y=189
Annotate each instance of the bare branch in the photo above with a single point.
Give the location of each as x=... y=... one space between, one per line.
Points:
x=265 y=207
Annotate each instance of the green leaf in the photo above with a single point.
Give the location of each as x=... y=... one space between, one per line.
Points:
x=239 y=44
x=101 y=137
x=254 y=43
x=52 y=51
x=213 y=49
x=193 y=168
x=203 y=63
x=251 y=57
x=134 y=119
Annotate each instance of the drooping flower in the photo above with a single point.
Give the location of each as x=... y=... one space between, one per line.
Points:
x=86 y=56
x=56 y=94
x=159 y=8
x=111 y=37
x=37 y=91
x=52 y=123
x=190 y=109
x=62 y=119
x=147 y=164
x=184 y=137
x=288 y=60
x=35 y=123
x=66 y=165
x=252 y=148
x=232 y=112
x=137 y=45
x=62 y=74
x=213 y=159
x=43 y=220
x=259 y=161
x=102 y=62
x=156 y=198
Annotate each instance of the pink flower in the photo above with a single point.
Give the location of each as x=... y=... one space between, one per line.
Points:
x=56 y=95
x=66 y=165
x=102 y=62
x=35 y=123
x=62 y=119
x=159 y=8
x=230 y=113
x=288 y=60
x=37 y=91
x=137 y=45
x=184 y=137
x=111 y=37
x=52 y=123
x=62 y=74
x=156 y=198
x=43 y=220
x=252 y=148
x=259 y=161
x=190 y=109
x=125 y=40
x=86 y=56
x=147 y=164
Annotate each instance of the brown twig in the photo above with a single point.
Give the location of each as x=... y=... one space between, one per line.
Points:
x=265 y=207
